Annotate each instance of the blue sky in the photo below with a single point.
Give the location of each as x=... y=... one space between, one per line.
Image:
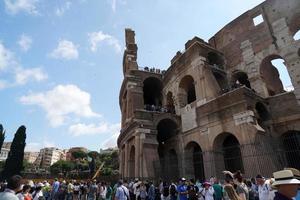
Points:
x=61 y=61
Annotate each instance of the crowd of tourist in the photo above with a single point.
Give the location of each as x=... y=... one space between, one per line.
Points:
x=284 y=186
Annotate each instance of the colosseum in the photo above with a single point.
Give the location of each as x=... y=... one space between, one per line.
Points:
x=219 y=105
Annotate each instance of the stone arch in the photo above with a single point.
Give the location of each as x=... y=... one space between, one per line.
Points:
x=271 y=75
x=187 y=91
x=166 y=129
x=152 y=90
x=194 y=165
x=131 y=162
x=240 y=77
x=291 y=147
x=227 y=152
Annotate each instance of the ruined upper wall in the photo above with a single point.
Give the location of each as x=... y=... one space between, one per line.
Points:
x=228 y=40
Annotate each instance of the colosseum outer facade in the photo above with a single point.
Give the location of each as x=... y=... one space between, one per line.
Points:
x=220 y=105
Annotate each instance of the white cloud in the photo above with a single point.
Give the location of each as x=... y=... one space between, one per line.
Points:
x=93 y=129
x=25 y=42
x=96 y=38
x=65 y=50
x=22 y=76
x=110 y=142
x=61 y=102
x=61 y=11
x=16 y=6
x=6 y=57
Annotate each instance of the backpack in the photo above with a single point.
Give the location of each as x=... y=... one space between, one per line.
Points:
x=173 y=190
x=166 y=191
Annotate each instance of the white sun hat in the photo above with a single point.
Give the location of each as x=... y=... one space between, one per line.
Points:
x=284 y=177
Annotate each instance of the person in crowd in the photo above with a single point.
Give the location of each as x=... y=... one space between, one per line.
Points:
x=92 y=191
x=251 y=192
x=254 y=188
x=218 y=189
x=264 y=188
x=76 y=191
x=25 y=195
x=109 y=191
x=165 y=192
x=122 y=192
x=173 y=191
x=38 y=193
x=70 y=188
x=241 y=187
x=296 y=173
x=192 y=191
x=287 y=185
x=143 y=191
x=151 y=191
x=231 y=193
x=182 y=189
x=102 y=191
x=55 y=188
x=208 y=192
x=13 y=186
x=46 y=190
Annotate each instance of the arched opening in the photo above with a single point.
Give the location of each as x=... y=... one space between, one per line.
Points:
x=194 y=166
x=131 y=163
x=228 y=153
x=297 y=35
x=291 y=145
x=166 y=130
x=273 y=72
x=187 y=92
x=262 y=112
x=239 y=79
x=170 y=102
x=152 y=93
x=232 y=154
x=215 y=60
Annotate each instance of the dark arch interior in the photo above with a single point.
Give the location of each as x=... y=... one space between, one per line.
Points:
x=215 y=59
x=165 y=130
x=187 y=83
x=291 y=145
x=262 y=112
x=242 y=78
x=173 y=170
x=195 y=159
x=232 y=154
x=152 y=91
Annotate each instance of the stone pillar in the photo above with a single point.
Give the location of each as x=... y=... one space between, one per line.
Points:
x=137 y=155
x=126 y=160
x=209 y=162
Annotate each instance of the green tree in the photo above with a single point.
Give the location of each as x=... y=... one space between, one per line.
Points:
x=79 y=154
x=14 y=161
x=62 y=166
x=2 y=136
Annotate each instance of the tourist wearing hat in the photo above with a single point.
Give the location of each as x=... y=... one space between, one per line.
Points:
x=208 y=191
x=287 y=185
x=296 y=173
x=182 y=190
x=264 y=188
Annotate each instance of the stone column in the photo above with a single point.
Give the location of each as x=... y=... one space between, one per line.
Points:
x=126 y=160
